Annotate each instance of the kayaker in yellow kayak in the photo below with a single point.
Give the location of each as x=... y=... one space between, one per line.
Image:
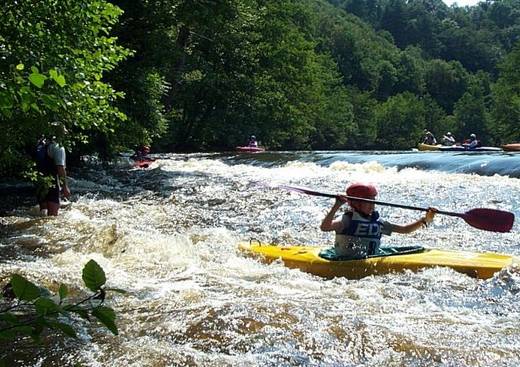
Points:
x=359 y=231
x=429 y=138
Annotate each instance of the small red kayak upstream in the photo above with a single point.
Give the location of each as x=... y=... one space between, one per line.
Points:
x=143 y=163
x=247 y=149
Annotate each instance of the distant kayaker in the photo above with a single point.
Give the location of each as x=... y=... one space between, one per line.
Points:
x=141 y=153
x=448 y=139
x=252 y=142
x=472 y=142
x=429 y=138
x=359 y=231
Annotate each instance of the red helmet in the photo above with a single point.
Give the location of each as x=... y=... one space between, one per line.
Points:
x=362 y=190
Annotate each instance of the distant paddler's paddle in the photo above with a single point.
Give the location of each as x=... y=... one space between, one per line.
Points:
x=493 y=220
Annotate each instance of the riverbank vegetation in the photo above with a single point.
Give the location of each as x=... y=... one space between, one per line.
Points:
x=299 y=74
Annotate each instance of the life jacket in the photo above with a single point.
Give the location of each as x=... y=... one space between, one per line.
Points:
x=362 y=234
x=44 y=163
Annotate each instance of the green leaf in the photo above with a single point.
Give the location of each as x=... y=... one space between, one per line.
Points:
x=67 y=329
x=63 y=291
x=37 y=79
x=20 y=67
x=45 y=306
x=24 y=289
x=6 y=101
x=50 y=102
x=60 y=80
x=35 y=70
x=107 y=317
x=35 y=107
x=93 y=276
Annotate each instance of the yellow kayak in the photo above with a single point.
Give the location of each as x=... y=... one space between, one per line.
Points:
x=308 y=259
x=422 y=146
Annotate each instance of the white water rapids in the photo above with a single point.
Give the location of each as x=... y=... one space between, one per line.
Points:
x=168 y=236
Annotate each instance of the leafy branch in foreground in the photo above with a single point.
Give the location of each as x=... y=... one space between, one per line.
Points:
x=27 y=310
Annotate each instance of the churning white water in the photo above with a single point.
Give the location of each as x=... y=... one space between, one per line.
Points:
x=168 y=235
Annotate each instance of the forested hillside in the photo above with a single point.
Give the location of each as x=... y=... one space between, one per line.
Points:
x=299 y=74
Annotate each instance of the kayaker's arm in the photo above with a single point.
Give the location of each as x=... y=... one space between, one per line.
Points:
x=426 y=220
x=328 y=224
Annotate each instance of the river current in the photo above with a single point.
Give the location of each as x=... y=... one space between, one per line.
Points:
x=168 y=236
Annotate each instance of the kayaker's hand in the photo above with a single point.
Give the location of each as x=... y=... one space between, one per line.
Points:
x=430 y=214
x=341 y=199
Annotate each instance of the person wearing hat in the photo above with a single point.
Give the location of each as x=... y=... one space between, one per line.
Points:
x=472 y=142
x=51 y=163
x=141 y=153
x=429 y=138
x=448 y=139
x=252 y=141
x=359 y=230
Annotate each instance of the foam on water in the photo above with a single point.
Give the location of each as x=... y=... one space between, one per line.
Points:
x=168 y=236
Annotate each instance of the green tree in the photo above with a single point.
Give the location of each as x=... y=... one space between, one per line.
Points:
x=446 y=82
x=506 y=99
x=52 y=59
x=471 y=115
x=364 y=108
x=436 y=120
x=260 y=73
x=411 y=73
x=400 y=120
x=309 y=100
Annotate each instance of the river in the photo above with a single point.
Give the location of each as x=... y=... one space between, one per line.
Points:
x=168 y=236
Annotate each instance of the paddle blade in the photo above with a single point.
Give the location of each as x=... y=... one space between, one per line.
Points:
x=493 y=220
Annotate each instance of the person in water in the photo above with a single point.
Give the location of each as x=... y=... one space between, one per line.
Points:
x=448 y=139
x=252 y=142
x=429 y=138
x=359 y=231
x=50 y=161
x=472 y=142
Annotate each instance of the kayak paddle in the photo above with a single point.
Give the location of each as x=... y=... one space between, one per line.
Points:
x=493 y=220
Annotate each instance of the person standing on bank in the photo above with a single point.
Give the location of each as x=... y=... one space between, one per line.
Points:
x=50 y=161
